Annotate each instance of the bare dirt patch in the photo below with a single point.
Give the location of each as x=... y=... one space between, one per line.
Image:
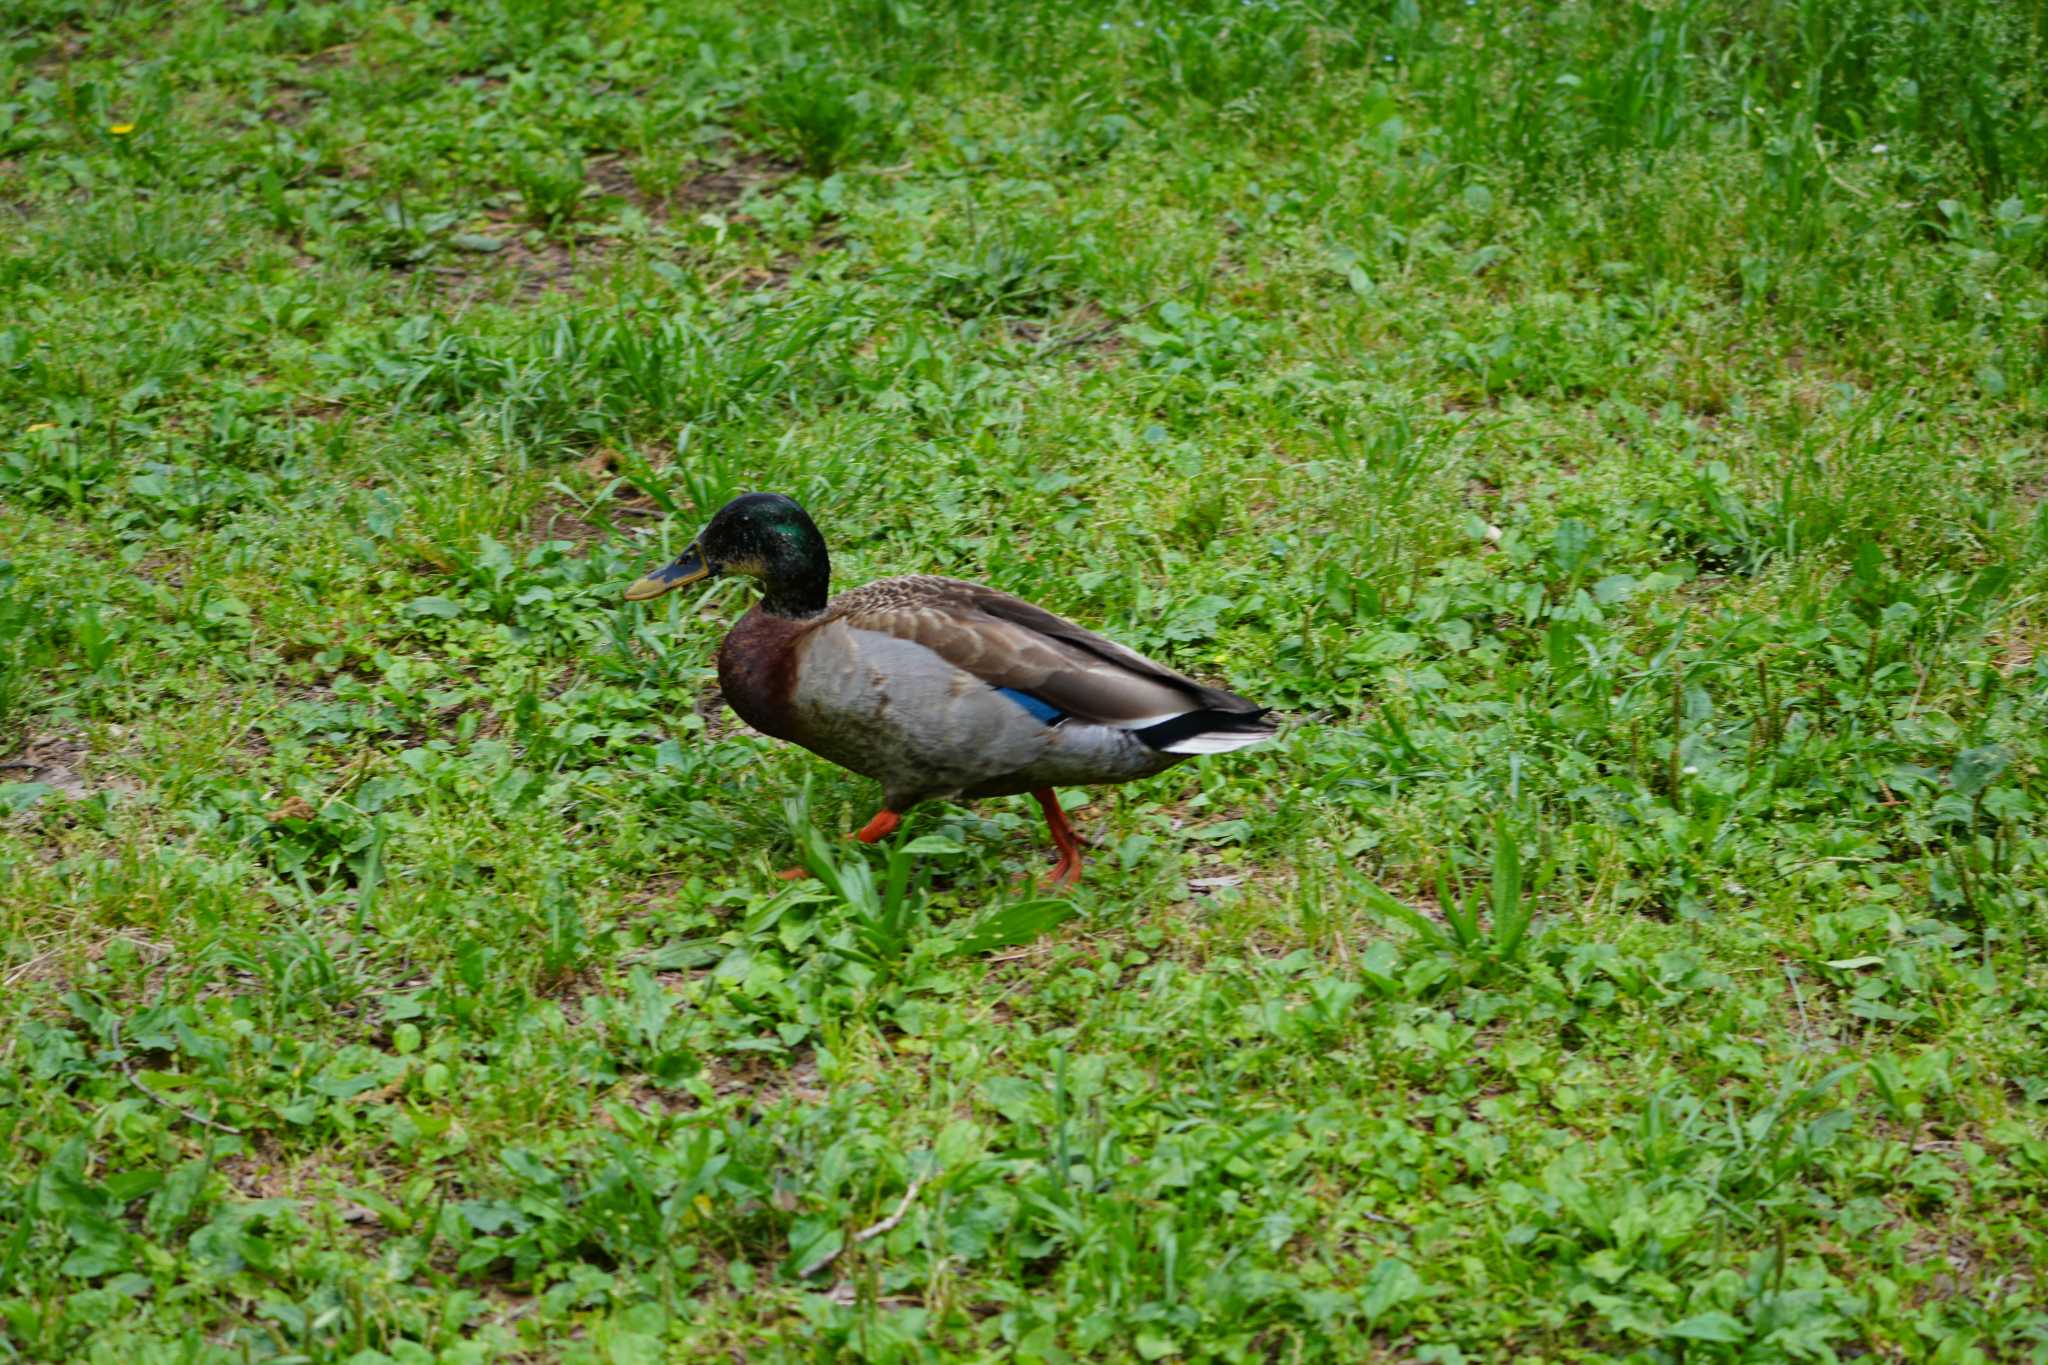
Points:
x=712 y=188
x=612 y=176
x=266 y=1171
x=535 y=265
x=290 y=104
x=2016 y=643
x=766 y=1081
x=719 y=720
x=2030 y=493
x=560 y=516
x=724 y=186
x=654 y=891
x=769 y=1083
x=556 y=517
x=63 y=46
x=60 y=760
x=263 y=1172
x=758 y=277
x=327 y=58
x=507 y=249
x=1095 y=339
x=65 y=955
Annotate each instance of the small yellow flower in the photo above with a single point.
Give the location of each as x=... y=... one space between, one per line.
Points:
x=41 y=426
x=120 y=129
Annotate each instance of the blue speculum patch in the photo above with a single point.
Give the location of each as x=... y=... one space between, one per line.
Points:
x=1044 y=710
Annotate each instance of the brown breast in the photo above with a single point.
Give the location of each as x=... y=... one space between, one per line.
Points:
x=757 y=671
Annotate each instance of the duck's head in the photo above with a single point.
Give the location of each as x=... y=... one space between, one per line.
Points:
x=765 y=536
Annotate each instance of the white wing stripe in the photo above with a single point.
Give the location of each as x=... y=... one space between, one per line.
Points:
x=1142 y=721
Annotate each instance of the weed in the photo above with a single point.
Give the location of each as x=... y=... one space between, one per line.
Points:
x=824 y=119
x=550 y=189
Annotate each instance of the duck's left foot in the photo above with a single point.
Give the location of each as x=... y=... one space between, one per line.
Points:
x=1067 y=870
x=885 y=823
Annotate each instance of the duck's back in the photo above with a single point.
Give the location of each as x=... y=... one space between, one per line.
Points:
x=1009 y=642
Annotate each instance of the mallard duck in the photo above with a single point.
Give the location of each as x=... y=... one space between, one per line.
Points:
x=939 y=688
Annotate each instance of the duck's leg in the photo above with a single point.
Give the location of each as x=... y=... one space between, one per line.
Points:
x=885 y=823
x=1067 y=870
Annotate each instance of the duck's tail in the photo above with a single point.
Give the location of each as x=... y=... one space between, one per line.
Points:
x=1208 y=731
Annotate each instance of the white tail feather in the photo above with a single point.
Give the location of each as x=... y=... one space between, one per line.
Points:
x=1218 y=741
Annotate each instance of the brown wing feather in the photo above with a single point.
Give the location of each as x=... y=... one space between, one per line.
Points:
x=1008 y=642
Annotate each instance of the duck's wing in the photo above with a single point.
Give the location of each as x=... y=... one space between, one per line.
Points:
x=1052 y=667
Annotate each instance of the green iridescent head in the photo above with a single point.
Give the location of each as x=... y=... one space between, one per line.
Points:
x=763 y=536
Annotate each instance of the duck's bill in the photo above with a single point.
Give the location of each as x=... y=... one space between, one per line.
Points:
x=688 y=568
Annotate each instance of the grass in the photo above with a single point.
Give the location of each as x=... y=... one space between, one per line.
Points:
x=1613 y=435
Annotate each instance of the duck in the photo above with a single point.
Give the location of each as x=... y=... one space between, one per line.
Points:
x=938 y=688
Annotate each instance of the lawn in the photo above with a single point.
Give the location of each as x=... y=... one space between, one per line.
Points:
x=1613 y=437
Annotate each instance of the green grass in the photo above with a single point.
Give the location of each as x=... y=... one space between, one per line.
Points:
x=1613 y=435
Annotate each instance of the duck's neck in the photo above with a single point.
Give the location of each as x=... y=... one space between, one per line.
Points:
x=800 y=579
